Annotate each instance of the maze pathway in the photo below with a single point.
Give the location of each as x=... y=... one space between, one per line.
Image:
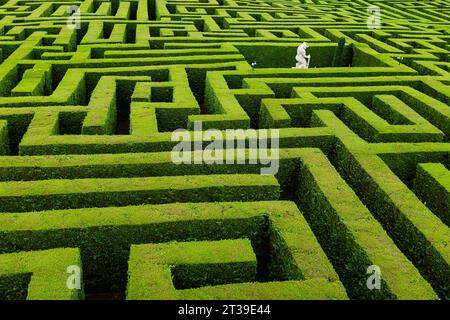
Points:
x=89 y=102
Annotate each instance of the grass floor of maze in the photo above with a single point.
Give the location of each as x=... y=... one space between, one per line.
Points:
x=119 y=176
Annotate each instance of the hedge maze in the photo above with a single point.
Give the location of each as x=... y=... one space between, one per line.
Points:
x=86 y=175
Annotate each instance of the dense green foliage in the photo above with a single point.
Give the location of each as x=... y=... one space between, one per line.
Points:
x=360 y=143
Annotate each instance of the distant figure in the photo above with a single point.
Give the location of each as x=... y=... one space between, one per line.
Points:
x=301 y=57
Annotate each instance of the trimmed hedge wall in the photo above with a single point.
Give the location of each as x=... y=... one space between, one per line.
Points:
x=420 y=235
x=156 y=271
x=39 y=275
x=86 y=122
x=79 y=193
x=104 y=236
x=432 y=186
x=352 y=239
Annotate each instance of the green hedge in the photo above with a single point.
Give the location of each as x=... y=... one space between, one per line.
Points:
x=361 y=105
x=352 y=238
x=282 y=55
x=78 y=193
x=143 y=165
x=420 y=235
x=432 y=185
x=4 y=139
x=94 y=144
x=39 y=275
x=311 y=289
x=104 y=236
x=156 y=271
x=403 y=159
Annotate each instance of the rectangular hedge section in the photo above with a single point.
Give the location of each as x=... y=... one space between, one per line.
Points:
x=184 y=150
